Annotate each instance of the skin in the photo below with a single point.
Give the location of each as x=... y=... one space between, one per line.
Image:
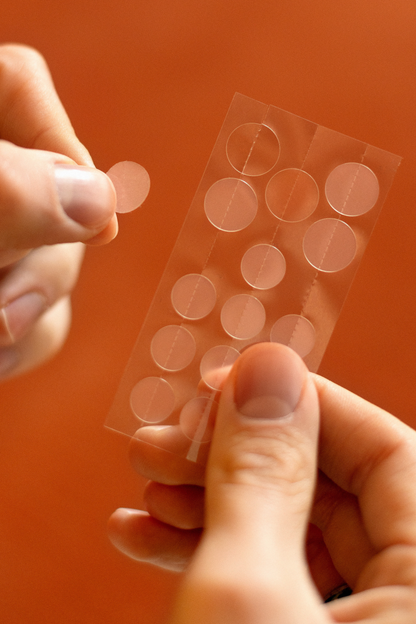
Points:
x=292 y=508
x=41 y=249
x=287 y=508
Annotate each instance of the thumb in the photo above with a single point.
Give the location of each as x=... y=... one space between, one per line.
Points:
x=263 y=458
x=259 y=488
x=45 y=198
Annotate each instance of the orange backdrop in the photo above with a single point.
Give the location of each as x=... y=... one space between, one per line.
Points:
x=151 y=81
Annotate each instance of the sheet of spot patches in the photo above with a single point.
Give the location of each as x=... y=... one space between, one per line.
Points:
x=267 y=252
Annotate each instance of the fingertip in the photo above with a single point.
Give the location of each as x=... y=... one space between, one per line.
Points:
x=268 y=380
x=105 y=236
x=87 y=195
x=121 y=517
x=143 y=538
x=121 y=527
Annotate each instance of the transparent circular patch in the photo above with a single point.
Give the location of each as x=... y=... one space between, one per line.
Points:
x=352 y=189
x=215 y=365
x=132 y=184
x=193 y=296
x=230 y=204
x=263 y=266
x=173 y=347
x=152 y=400
x=197 y=419
x=253 y=149
x=243 y=317
x=292 y=195
x=329 y=245
x=296 y=332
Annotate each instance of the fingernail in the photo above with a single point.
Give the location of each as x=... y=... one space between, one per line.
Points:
x=269 y=381
x=19 y=315
x=9 y=358
x=86 y=195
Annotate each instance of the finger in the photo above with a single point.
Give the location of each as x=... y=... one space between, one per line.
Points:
x=143 y=538
x=386 y=605
x=31 y=113
x=323 y=572
x=338 y=516
x=181 y=506
x=158 y=453
x=370 y=454
x=46 y=199
x=40 y=344
x=35 y=284
x=259 y=487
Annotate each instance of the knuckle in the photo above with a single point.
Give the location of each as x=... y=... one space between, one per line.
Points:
x=285 y=463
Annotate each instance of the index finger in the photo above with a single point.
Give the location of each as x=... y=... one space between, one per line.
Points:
x=31 y=113
x=371 y=454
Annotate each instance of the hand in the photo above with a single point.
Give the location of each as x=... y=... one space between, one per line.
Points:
x=51 y=199
x=250 y=565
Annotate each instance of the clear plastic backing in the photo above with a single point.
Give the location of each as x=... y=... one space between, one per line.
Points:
x=267 y=252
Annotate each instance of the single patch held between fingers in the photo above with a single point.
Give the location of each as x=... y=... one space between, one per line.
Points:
x=132 y=184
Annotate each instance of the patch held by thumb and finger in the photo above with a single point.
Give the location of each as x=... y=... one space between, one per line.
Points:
x=132 y=184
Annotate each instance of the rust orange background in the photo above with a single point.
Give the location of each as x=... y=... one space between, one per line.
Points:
x=151 y=81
